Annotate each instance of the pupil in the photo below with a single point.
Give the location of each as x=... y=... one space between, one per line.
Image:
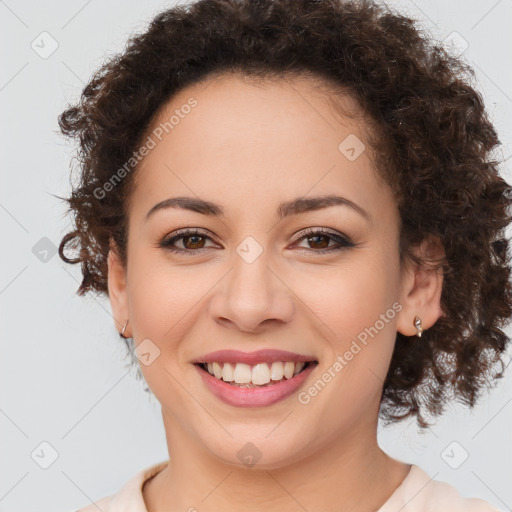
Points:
x=317 y=237
x=191 y=237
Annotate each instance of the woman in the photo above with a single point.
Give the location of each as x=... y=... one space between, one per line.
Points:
x=292 y=210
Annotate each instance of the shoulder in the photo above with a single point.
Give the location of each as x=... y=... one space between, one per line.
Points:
x=421 y=493
x=129 y=497
x=444 y=496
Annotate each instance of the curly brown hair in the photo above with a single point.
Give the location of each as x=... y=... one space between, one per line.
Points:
x=433 y=148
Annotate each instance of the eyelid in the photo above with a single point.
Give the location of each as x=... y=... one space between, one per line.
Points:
x=324 y=231
x=183 y=232
x=341 y=240
x=301 y=234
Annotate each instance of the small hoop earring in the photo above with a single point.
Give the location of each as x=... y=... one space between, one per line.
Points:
x=417 y=324
x=124 y=328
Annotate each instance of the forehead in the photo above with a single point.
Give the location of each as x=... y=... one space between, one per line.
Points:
x=259 y=106
x=281 y=137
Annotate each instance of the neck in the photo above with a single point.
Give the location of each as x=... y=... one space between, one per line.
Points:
x=350 y=473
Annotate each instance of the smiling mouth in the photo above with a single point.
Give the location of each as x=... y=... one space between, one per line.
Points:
x=256 y=376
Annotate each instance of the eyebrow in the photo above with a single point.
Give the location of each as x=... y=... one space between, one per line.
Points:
x=285 y=209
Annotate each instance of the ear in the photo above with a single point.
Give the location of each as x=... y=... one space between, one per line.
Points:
x=421 y=289
x=117 y=290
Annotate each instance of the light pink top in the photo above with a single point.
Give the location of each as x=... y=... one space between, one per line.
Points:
x=417 y=493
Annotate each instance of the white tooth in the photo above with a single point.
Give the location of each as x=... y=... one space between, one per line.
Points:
x=288 y=369
x=217 y=370
x=227 y=373
x=242 y=373
x=298 y=367
x=261 y=374
x=276 y=372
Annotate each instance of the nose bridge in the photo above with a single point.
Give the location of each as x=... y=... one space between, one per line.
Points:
x=252 y=293
x=250 y=277
x=250 y=284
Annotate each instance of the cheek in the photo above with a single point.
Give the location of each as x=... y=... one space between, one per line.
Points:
x=351 y=297
x=367 y=297
x=162 y=301
x=357 y=305
x=162 y=297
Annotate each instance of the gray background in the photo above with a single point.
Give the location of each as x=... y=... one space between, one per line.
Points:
x=63 y=379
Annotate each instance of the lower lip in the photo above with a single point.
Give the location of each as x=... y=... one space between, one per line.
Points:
x=254 y=397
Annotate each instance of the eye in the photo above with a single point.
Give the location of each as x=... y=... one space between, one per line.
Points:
x=193 y=241
x=321 y=237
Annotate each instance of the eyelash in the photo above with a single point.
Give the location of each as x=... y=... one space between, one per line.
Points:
x=342 y=241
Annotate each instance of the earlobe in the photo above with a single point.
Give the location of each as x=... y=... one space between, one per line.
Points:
x=117 y=289
x=421 y=290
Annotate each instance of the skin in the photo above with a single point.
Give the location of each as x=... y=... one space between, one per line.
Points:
x=249 y=147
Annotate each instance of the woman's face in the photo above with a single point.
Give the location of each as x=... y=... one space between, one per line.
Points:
x=253 y=278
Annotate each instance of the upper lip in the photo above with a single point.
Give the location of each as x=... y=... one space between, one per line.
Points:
x=252 y=358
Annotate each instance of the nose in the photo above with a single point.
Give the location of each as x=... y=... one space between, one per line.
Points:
x=251 y=297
